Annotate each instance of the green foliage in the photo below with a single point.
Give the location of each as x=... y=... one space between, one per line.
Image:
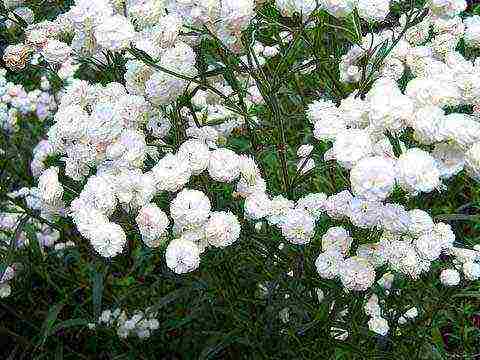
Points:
x=218 y=312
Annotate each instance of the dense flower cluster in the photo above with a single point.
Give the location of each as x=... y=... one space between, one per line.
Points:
x=112 y=140
x=16 y=102
x=140 y=324
x=13 y=232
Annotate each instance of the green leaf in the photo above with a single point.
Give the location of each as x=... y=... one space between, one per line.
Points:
x=70 y=323
x=59 y=351
x=47 y=325
x=97 y=293
x=468 y=294
x=223 y=343
x=437 y=338
x=476 y=10
x=167 y=299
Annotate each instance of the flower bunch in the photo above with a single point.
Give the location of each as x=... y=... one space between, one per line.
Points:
x=152 y=154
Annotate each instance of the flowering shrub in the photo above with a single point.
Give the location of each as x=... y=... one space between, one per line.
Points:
x=273 y=178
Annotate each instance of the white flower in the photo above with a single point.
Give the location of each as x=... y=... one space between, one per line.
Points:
x=162 y=88
x=182 y=256
x=444 y=234
x=222 y=229
x=371 y=253
x=171 y=174
x=424 y=91
x=421 y=222
x=376 y=10
x=223 y=165
x=190 y=208
x=165 y=33
x=351 y=146
x=338 y=8
x=389 y=109
x=471 y=271
x=251 y=180
x=371 y=307
x=450 y=159
x=108 y=239
x=146 y=13
x=450 y=277
x=401 y=256
x=373 y=178
x=152 y=223
x=5 y=290
x=428 y=247
x=257 y=206
x=378 y=325
x=328 y=264
x=462 y=129
x=427 y=122
x=289 y=7
x=337 y=239
x=463 y=256
x=448 y=8
x=50 y=188
x=56 y=52
x=395 y=219
x=418 y=171
x=279 y=207
x=114 y=33
x=128 y=150
x=196 y=154
x=327 y=119
x=298 y=226
x=357 y=274
x=158 y=125
x=338 y=205
x=196 y=235
x=99 y=192
x=313 y=203
x=318 y=108
x=364 y=213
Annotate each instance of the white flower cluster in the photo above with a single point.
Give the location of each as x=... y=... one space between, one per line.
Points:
x=359 y=128
x=377 y=323
x=372 y=10
x=46 y=236
x=152 y=25
x=101 y=134
x=110 y=137
x=47 y=197
x=226 y=19
x=16 y=102
x=5 y=276
x=290 y=7
x=465 y=260
x=410 y=242
x=140 y=324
